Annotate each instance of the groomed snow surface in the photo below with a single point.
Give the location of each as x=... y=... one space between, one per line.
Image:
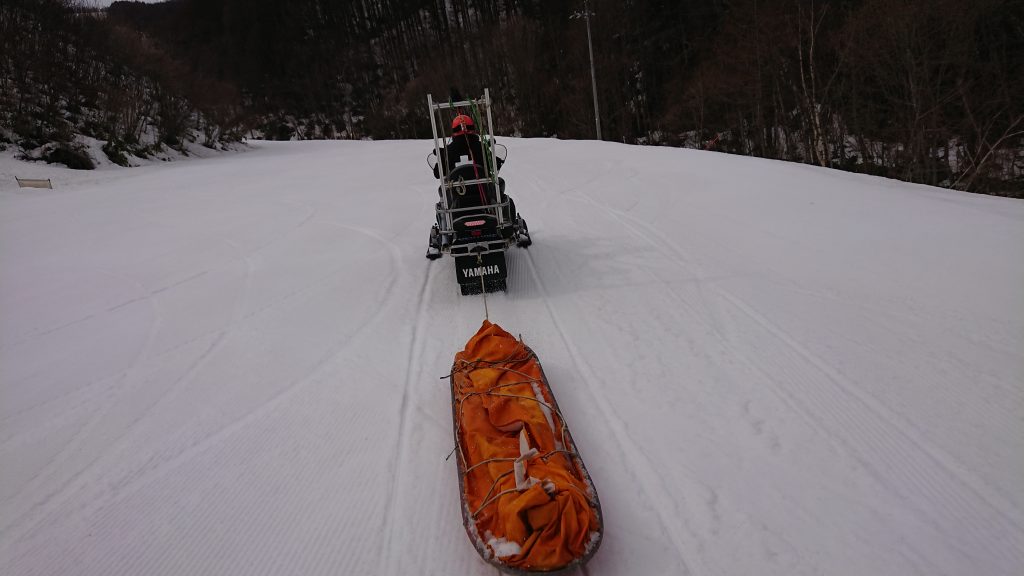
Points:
x=231 y=365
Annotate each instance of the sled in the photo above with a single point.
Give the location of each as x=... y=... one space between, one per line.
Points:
x=476 y=221
x=528 y=503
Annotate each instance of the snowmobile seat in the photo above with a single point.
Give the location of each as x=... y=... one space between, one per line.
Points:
x=471 y=195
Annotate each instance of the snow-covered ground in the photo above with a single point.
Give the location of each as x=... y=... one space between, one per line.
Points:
x=231 y=365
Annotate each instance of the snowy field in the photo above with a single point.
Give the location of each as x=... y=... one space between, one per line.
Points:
x=230 y=365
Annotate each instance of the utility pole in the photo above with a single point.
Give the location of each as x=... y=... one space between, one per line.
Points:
x=586 y=14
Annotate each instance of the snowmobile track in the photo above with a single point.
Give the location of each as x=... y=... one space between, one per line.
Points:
x=628 y=450
x=413 y=371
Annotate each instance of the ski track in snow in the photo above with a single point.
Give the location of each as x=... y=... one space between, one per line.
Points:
x=230 y=365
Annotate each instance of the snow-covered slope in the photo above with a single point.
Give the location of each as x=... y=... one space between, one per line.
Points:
x=231 y=365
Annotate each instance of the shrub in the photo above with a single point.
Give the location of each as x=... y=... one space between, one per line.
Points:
x=115 y=152
x=283 y=132
x=74 y=157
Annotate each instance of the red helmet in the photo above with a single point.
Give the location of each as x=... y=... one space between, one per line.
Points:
x=462 y=123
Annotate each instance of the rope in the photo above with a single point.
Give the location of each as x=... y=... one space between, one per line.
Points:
x=493 y=499
x=474 y=363
x=483 y=288
x=467 y=364
x=491 y=489
x=490 y=392
x=542 y=403
x=506 y=385
x=469 y=367
x=474 y=113
x=488 y=461
x=489 y=500
x=543 y=457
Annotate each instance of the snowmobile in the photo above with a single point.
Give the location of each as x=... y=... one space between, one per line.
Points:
x=476 y=220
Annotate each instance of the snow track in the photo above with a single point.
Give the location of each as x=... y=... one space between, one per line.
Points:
x=628 y=453
x=950 y=497
x=232 y=365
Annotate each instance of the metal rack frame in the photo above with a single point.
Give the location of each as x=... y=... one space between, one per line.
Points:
x=447 y=185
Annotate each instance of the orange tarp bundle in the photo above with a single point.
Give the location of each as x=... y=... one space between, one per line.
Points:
x=528 y=502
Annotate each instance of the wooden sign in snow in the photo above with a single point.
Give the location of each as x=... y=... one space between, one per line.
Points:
x=33 y=182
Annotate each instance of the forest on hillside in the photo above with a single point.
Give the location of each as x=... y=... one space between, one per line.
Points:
x=68 y=73
x=928 y=91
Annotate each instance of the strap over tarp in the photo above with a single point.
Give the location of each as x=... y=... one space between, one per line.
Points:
x=527 y=495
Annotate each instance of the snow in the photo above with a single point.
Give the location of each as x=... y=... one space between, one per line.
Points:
x=230 y=365
x=501 y=546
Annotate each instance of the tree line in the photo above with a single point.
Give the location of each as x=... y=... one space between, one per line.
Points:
x=928 y=91
x=68 y=71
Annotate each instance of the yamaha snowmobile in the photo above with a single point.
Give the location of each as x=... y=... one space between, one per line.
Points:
x=476 y=221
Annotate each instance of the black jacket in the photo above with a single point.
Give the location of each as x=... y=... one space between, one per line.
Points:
x=467 y=145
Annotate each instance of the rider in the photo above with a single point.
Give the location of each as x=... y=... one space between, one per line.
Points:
x=464 y=148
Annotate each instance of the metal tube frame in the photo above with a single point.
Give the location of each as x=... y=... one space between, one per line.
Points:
x=437 y=155
x=446 y=184
x=494 y=158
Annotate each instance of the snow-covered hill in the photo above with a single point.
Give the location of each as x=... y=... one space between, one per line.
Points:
x=231 y=365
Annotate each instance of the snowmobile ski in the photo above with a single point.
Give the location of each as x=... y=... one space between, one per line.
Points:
x=434 y=244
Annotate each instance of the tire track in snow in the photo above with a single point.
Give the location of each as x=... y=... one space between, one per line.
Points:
x=149 y=296
x=519 y=283
x=221 y=337
x=899 y=462
x=267 y=562
x=149 y=470
x=83 y=398
x=549 y=195
x=308 y=217
x=154 y=328
x=631 y=453
x=143 y=295
x=886 y=436
x=122 y=385
x=387 y=296
x=32 y=336
x=402 y=441
x=44 y=504
x=158 y=470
